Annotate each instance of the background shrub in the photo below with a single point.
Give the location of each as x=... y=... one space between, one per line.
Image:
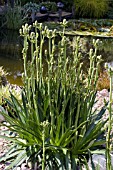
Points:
x=3 y=79
x=91 y=8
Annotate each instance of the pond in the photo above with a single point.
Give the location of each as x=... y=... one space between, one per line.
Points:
x=11 y=56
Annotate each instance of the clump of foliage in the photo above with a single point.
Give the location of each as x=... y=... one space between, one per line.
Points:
x=51 y=6
x=68 y=5
x=110 y=10
x=6 y=88
x=55 y=127
x=103 y=81
x=3 y=79
x=91 y=8
x=13 y=17
x=5 y=93
x=29 y=10
x=23 y=2
x=29 y=7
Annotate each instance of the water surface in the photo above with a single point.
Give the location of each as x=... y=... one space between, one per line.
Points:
x=11 y=56
x=14 y=68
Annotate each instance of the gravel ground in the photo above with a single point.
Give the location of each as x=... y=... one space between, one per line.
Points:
x=3 y=147
x=101 y=96
x=4 y=144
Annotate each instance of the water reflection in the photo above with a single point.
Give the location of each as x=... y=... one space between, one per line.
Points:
x=10 y=44
x=105 y=47
x=11 y=56
x=14 y=68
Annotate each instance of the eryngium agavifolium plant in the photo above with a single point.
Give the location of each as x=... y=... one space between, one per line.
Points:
x=109 y=135
x=55 y=127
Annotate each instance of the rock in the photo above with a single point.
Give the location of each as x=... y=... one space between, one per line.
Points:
x=2 y=119
x=24 y=167
x=18 y=168
x=99 y=161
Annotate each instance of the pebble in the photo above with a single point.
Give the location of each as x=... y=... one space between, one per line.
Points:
x=18 y=168
x=24 y=167
x=2 y=118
